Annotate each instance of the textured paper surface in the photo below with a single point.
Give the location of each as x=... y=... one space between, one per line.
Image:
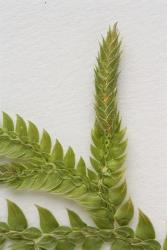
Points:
x=47 y=53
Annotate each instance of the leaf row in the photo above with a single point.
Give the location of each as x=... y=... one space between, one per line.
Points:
x=53 y=236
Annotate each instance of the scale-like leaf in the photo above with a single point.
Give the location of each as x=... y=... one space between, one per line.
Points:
x=92 y=243
x=32 y=233
x=117 y=194
x=22 y=245
x=65 y=244
x=48 y=222
x=16 y=218
x=47 y=242
x=144 y=229
x=119 y=244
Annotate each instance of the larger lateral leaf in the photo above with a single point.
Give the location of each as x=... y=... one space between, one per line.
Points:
x=144 y=229
x=21 y=127
x=48 y=223
x=69 y=159
x=8 y=124
x=33 y=133
x=16 y=219
x=125 y=213
x=45 y=142
x=75 y=220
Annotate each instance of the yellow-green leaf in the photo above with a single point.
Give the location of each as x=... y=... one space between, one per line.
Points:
x=117 y=194
x=92 y=243
x=75 y=220
x=33 y=133
x=48 y=222
x=120 y=245
x=57 y=152
x=65 y=244
x=16 y=219
x=45 y=142
x=7 y=122
x=69 y=159
x=125 y=213
x=144 y=229
x=21 y=128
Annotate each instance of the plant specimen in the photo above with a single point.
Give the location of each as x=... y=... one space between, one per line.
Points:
x=30 y=162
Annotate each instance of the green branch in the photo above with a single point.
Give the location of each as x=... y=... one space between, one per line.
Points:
x=31 y=162
x=51 y=235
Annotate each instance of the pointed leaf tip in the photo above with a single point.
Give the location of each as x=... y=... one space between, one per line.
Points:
x=57 y=152
x=125 y=213
x=7 y=122
x=33 y=133
x=75 y=220
x=16 y=218
x=48 y=222
x=69 y=158
x=144 y=229
x=45 y=142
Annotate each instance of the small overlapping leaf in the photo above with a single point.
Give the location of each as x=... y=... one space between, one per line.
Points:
x=120 y=244
x=65 y=244
x=117 y=194
x=57 y=152
x=22 y=245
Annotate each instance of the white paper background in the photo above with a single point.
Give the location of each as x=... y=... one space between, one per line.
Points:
x=47 y=53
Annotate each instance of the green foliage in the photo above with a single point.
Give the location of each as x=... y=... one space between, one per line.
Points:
x=48 y=223
x=125 y=213
x=29 y=161
x=145 y=229
x=52 y=236
x=16 y=218
x=165 y=244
